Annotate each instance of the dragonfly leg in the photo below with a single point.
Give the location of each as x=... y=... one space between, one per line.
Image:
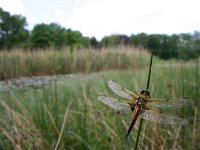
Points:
x=142 y=110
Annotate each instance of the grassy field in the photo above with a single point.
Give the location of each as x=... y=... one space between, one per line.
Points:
x=66 y=114
x=17 y=63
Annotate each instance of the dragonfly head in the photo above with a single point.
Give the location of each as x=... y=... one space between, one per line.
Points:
x=145 y=93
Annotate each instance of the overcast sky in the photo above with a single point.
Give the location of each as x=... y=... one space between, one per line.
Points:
x=104 y=17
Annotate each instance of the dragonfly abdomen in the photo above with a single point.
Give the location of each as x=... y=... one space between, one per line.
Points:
x=136 y=113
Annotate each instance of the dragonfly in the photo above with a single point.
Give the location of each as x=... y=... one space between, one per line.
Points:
x=143 y=105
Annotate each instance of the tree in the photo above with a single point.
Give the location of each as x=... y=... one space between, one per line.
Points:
x=186 y=46
x=94 y=43
x=74 y=38
x=48 y=35
x=197 y=41
x=166 y=46
x=114 y=40
x=154 y=43
x=139 y=40
x=41 y=36
x=12 y=30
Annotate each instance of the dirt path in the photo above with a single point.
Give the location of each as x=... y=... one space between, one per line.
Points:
x=38 y=81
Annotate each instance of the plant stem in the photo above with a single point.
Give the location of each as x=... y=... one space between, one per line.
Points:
x=141 y=121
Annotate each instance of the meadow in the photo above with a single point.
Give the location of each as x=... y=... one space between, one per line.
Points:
x=66 y=114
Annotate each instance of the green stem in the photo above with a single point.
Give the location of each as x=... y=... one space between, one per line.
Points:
x=149 y=75
x=196 y=80
x=141 y=121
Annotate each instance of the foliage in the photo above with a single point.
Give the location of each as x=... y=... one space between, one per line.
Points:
x=163 y=46
x=114 y=40
x=94 y=43
x=12 y=30
x=44 y=35
x=53 y=35
x=139 y=40
x=13 y=34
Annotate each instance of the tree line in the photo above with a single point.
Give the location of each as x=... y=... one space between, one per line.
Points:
x=13 y=34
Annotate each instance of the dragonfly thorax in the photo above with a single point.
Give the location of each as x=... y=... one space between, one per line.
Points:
x=140 y=101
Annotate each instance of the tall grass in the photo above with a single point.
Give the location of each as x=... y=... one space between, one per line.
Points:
x=33 y=117
x=17 y=63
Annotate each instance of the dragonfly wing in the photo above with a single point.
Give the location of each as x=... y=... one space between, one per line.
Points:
x=163 y=118
x=114 y=103
x=119 y=90
x=169 y=103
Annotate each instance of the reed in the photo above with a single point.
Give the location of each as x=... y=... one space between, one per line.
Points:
x=17 y=63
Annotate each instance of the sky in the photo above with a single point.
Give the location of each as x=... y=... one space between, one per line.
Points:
x=99 y=18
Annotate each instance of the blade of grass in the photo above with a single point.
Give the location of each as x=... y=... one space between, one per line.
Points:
x=194 y=129
x=177 y=136
x=63 y=125
x=51 y=118
x=141 y=121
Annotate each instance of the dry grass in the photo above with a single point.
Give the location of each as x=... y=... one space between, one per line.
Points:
x=21 y=132
x=17 y=63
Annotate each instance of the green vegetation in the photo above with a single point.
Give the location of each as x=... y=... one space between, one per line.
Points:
x=31 y=118
x=13 y=34
x=12 y=31
x=33 y=63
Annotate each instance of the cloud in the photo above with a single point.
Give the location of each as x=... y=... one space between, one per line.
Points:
x=12 y=6
x=104 y=17
x=132 y=16
x=57 y=13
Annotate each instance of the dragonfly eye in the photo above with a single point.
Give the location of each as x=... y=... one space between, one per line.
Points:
x=142 y=91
